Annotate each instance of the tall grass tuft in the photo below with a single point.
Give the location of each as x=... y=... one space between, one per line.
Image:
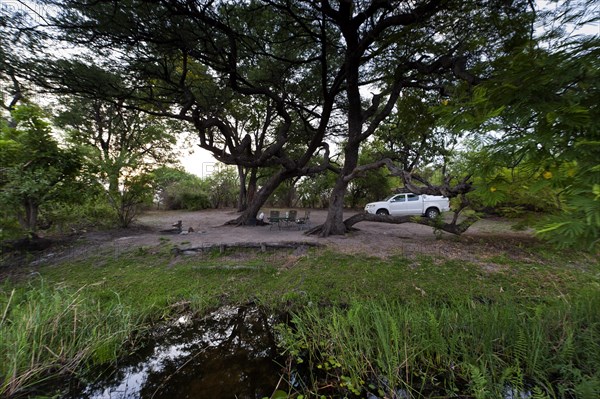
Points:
x=46 y=332
x=440 y=350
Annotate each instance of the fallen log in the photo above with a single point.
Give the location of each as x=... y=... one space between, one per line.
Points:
x=453 y=227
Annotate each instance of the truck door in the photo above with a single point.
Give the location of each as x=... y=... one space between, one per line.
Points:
x=397 y=204
x=414 y=204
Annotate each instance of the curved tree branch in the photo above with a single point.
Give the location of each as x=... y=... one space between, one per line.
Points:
x=453 y=227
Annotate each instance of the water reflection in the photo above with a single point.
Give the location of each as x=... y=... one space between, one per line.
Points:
x=228 y=354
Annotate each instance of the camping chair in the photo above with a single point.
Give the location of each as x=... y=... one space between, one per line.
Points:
x=304 y=221
x=274 y=218
x=290 y=218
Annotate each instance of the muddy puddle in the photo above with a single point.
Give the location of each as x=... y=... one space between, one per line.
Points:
x=230 y=353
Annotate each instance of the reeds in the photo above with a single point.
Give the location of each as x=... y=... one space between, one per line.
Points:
x=443 y=350
x=47 y=332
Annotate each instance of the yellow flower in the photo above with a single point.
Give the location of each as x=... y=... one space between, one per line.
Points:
x=445 y=102
x=547 y=175
x=492 y=189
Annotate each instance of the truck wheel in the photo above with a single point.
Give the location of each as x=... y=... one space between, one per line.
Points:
x=382 y=212
x=432 y=213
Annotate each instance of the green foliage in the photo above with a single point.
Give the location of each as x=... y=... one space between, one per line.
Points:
x=9 y=226
x=35 y=169
x=286 y=194
x=91 y=212
x=177 y=189
x=212 y=58
x=135 y=193
x=542 y=107
x=579 y=223
x=314 y=191
x=413 y=136
x=373 y=185
x=223 y=187
x=121 y=143
x=148 y=282
x=511 y=192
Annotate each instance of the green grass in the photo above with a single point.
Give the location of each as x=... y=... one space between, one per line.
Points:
x=51 y=330
x=86 y=311
x=432 y=350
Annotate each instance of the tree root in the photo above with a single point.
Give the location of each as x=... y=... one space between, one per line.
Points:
x=318 y=230
x=241 y=222
x=314 y=230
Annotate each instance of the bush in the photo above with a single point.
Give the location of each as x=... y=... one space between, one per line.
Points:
x=514 y=193
x=188 y=195
x=94 y=212
x=9 y=227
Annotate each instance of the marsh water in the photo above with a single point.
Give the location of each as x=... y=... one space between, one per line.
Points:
x=228 y=354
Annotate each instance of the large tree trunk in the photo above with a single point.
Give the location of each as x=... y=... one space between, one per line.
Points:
x=243 y=195
x=290 y=194
x=334 y=224
x=248 y=182
x=248 y=216
x=252 y=185
x=28 y=220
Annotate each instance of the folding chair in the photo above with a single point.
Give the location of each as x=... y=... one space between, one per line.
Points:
x=290 y=218
x=304 y=221
x=274 y=218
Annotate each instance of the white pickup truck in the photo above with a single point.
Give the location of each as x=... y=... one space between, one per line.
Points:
x=410 y=204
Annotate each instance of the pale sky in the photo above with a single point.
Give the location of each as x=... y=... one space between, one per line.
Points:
x=199 y=162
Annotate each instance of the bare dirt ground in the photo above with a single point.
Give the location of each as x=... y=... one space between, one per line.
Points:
x=484 y=243
x=485 y=239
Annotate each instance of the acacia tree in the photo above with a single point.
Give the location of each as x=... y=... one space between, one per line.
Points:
x=175 y=188
x=13 y=64
x=11 y=93
x=121 y=144
x=411 y=140
x=536 y=98
x=247 y=126
x=190 y=61
x=412 y=135
x=391 y=46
